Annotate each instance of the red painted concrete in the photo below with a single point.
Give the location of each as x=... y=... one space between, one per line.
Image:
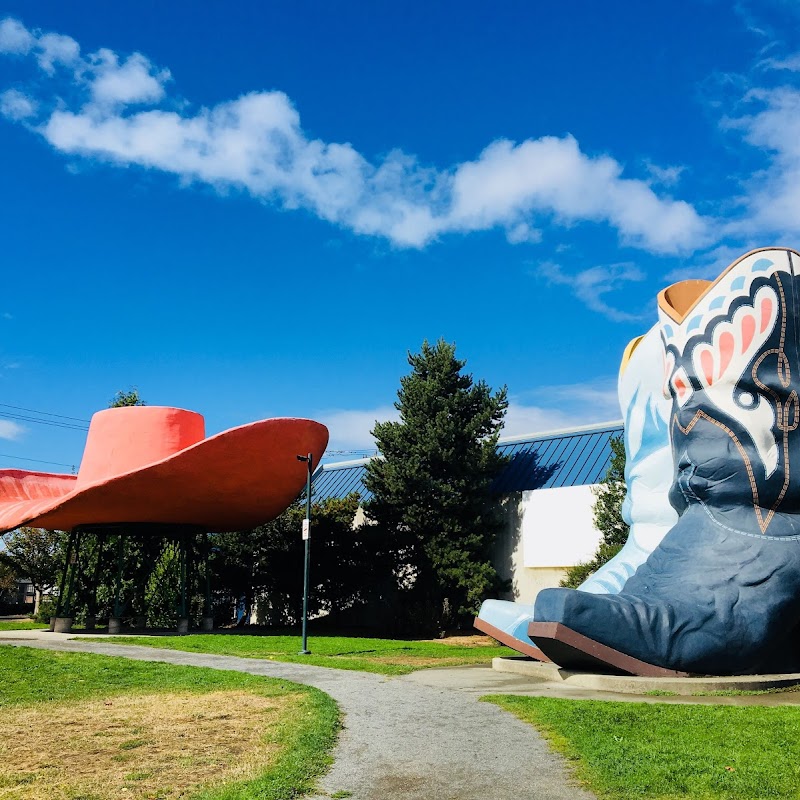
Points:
x=153 y=464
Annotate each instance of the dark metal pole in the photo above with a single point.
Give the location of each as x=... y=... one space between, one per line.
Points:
x=309 y=459
x=118 y=606
x=74 y=572
x=184 y=569
x=207 y=551
x=65 y=573
x=100 y=541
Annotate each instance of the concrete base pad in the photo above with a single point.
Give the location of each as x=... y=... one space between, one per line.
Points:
x=62 y=624
x=538 y=672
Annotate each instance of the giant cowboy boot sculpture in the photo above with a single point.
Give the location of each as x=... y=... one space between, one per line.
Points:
x=648 y=476
x=721 y=593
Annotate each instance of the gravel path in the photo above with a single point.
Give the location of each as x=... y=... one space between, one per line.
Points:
x=402 y=739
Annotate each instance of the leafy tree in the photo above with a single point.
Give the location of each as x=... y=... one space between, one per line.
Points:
x=265 y=566
x=607 y=517
x=8 y=585
x=126 y=398
x=8 y=578
x=432 y=499
x=36 y=554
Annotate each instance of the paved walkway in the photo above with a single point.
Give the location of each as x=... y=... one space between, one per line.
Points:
x=408 y=738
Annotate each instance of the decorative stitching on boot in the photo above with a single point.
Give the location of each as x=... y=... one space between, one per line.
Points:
x=784 y=373
x=763 y=523
x=753 y=486
x=689 y=495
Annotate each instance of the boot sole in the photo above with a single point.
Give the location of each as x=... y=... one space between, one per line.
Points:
x=509 y=641
x=572 y=650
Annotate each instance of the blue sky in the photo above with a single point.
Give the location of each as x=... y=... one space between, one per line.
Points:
x=256 y=209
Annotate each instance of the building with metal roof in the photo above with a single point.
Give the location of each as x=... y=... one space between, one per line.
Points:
x=546 y=491
x=572 y=457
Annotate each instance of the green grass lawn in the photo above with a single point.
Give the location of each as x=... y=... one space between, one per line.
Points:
x=667 y=751
x=41 y=682
x=21 y=625
x=384 y=656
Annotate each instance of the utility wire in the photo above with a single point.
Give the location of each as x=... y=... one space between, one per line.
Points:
x=53 y=423
x=69 y=423
x=38 y=461
x=44 y=413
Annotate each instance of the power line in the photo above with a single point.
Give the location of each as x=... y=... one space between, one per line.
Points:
x=38 y=461
x=44 y=413
x=53 y=423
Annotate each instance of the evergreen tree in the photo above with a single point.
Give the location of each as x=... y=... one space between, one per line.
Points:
x=607 y=517
x=431 y=487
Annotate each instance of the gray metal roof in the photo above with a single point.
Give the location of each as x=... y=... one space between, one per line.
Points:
x=573 y=457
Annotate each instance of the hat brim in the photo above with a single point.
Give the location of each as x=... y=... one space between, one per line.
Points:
x=235 y=480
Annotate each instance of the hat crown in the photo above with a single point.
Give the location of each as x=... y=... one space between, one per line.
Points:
x=125 y=439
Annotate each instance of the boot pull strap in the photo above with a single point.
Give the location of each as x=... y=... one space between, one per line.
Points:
x=679 y=299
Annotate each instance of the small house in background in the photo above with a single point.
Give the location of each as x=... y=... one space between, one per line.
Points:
x=546 y=491
x=26 y=595
x=18 y=598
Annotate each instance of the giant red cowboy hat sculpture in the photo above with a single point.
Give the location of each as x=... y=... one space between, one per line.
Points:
x=150 y=464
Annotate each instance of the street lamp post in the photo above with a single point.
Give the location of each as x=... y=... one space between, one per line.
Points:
x=309 y=459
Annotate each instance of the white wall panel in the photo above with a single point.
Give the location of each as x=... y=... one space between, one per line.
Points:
x=557 y=529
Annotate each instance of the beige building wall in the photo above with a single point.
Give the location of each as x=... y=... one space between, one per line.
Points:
x=547 y=531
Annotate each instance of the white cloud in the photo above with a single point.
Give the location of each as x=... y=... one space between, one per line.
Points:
x=773 y=196
x=564 y=406
x=15 y=37
x=595 y=402
x=791 y=63
x=10 y=430
x=16 y=106
x=256 y=144
x=522 y=420
x=591 y=285
x=523 y=233
x=350 y=429
x=553 y=176
x=712 y=264
x=666 y=176
x=130 y=82
x=567 y=406
x=54 y=49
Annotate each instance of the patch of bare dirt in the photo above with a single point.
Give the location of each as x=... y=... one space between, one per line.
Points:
x=415 y=661
x=148 y=747
x=474 y=640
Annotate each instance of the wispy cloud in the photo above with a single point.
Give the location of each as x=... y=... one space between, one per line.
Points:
x=773 y=195
x=11 y=430
x=563 y=406
x=117 y=109
x=666 y=176
x=16 y=106
x=591 y=286
x=350 y=429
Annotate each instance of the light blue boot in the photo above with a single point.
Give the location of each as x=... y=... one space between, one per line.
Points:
x=648 y=477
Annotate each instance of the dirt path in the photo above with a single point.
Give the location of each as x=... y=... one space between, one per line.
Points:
x=402 y=739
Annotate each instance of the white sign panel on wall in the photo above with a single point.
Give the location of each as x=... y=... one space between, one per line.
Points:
x=557 y=529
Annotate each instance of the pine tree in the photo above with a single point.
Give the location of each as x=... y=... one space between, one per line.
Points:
x=431 y=488
x=607 y=517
